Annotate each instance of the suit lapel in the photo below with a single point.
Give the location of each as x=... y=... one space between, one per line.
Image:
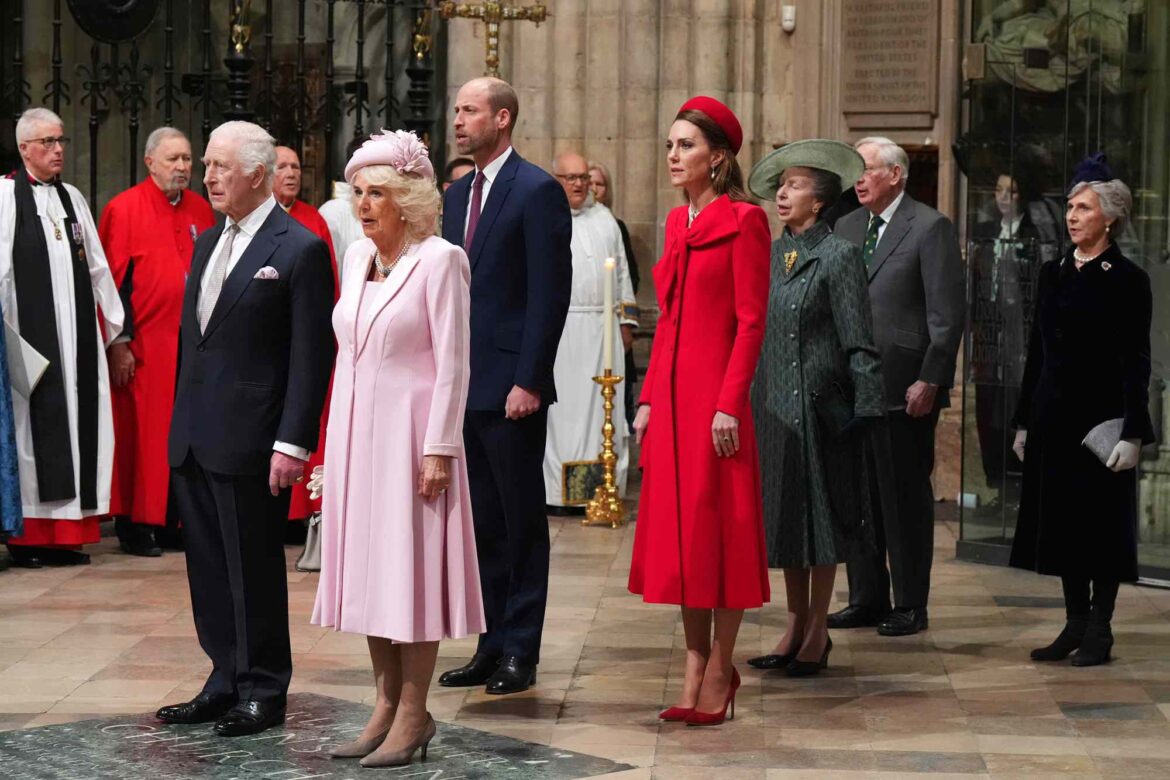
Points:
x=263 y=244
x=899 y=226
x=385 y=293
x=490 y=210
x=199 y=261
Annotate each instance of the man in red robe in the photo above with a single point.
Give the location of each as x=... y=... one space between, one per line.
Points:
x=149 y=232
x=286 y=189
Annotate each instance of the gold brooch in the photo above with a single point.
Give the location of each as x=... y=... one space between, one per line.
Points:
x=789 y=261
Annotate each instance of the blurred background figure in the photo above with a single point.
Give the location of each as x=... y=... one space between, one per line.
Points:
x=338 y=212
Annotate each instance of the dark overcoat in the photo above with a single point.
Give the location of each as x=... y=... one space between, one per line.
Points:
x=819 y=334
x=1088 y=362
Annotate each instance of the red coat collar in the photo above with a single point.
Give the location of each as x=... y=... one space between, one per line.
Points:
x=715 y=222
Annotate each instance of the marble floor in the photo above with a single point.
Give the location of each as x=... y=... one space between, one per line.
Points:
x=960 y=699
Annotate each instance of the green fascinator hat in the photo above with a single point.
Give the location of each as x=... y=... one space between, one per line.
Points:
x=832 y=156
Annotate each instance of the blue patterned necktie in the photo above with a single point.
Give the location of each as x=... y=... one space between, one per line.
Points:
x=871 y=239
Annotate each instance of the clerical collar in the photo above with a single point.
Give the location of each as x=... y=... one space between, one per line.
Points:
x=175 y=201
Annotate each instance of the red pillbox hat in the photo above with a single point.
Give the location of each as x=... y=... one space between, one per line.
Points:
x=721 y=115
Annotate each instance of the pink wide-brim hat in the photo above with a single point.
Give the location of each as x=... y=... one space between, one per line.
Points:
x=400 y=149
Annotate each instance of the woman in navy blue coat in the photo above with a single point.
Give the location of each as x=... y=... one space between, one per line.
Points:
x=1088 y=362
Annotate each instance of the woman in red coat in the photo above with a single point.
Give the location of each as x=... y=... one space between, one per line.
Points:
x=699 y=542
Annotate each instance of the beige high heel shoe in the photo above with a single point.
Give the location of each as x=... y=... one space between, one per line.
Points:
x=359 y=748
x=404 y=756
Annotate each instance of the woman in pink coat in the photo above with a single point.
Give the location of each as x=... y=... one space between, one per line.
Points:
x=398 y=559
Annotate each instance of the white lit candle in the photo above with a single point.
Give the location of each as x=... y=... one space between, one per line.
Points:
x=608 y=313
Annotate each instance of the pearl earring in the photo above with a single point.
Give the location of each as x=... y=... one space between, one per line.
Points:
x=712 y=174
x=401 y=218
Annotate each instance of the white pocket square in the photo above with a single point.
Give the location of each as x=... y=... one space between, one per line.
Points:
x=267 y=272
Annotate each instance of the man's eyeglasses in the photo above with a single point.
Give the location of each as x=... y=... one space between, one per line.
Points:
x=50 y=142
x=579 y=178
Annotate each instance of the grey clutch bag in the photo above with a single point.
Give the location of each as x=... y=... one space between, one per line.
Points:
x=1103 y=438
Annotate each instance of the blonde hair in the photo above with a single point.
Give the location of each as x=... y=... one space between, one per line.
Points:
x=608 y=199
x=415 y=197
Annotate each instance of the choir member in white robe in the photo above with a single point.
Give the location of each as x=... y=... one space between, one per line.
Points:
x=575 y=421
x=64 y=422
x=344 y=226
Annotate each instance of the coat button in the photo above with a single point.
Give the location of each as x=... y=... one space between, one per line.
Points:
x=796 y=421
x=791 y=335
x=796 y=392
x=794 y=364
x=794 y=307
x=202 y=348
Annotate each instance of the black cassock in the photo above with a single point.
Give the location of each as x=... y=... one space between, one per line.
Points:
x=1088 y=361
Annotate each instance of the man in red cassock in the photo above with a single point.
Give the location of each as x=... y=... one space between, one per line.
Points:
x=149 y=232
x=286 y=189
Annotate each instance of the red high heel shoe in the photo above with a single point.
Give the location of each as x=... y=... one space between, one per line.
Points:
x=697 y=718
x=676 y=713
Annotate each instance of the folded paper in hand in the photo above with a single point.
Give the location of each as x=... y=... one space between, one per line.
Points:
x=1104 y=437
x=26 y=366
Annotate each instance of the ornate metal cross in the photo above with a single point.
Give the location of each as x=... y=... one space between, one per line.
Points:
x=491 y=14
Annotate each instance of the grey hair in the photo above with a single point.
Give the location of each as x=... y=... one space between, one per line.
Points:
x=257 y=148
x=33 y=117
x=888 y=152
x=596 y=166
x=1115 y=198
x=158 y=135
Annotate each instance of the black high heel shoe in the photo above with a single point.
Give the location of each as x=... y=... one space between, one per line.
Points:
x=799 y=668
x=772 y=661
x=1070 y=639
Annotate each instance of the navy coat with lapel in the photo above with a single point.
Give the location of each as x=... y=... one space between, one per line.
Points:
x=260 y=371
x=521 y=280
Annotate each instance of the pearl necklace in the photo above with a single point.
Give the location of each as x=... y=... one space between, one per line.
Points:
x=1083 y=259
x=384 y=270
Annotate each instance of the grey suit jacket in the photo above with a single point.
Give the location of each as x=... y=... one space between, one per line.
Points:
x=917 y=293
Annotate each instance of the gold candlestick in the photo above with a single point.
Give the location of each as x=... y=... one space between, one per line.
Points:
x=605 y=508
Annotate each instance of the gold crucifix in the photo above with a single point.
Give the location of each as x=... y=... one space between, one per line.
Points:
x=491 y=14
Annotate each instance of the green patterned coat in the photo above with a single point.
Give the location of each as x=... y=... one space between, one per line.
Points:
x=817 y=509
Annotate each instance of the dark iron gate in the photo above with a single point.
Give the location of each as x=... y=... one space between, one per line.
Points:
x=315 y=73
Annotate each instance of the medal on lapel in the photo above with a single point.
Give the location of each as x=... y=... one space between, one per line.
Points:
x=789 y=261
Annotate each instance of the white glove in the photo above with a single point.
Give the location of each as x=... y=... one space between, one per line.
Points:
x=316 y=484
x=1125 y=455
x=1018 y=444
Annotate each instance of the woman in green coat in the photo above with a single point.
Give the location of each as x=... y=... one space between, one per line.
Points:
x=818 y=383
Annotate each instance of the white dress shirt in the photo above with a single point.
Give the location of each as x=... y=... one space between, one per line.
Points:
x=888 y=214
x=249 y=226
x=489 y=175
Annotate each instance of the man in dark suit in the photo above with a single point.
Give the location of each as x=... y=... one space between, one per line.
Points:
x=256 y=350
x=917 y=293
x=513 y=220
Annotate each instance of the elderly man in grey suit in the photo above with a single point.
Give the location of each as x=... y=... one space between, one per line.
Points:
x=916 y=289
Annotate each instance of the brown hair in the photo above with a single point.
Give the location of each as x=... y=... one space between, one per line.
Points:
x=728 y=178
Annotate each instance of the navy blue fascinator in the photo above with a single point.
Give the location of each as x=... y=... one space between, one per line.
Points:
x=1092 y=168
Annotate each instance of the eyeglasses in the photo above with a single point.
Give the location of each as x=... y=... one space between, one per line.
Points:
x=580 y=178
x=50 y=142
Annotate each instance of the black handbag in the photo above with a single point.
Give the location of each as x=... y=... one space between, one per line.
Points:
x=834 y=408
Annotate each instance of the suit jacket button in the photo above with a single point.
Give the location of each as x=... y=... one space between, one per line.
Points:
x=202 y=348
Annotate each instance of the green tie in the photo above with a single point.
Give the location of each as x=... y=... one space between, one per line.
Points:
x=871 y=239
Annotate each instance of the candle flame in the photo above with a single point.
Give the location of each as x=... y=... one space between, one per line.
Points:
x=610 y=263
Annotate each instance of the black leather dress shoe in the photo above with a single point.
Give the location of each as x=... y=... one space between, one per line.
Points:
x=203 y=708
x=250 y=717
x=856 y=616
x=513 y=676
x=904 y=622
x=55 y=556
x=25 y=557
x=477 y=671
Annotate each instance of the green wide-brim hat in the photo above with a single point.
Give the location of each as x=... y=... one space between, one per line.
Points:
x=832 y=156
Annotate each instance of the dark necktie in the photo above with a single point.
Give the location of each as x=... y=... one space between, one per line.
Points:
x=871 y=239
x=476 y=207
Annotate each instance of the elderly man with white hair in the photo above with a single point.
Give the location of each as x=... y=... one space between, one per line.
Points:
x=149 y=233
x=256 y=351
x=917 y=293
x=61 y=310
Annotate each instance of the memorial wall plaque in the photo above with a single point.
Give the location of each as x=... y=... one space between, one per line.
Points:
x=889 y=57
x=133 y=747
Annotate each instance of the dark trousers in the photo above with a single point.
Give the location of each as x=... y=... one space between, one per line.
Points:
x=505 y=469
x=994 y=406
x=908 y=536
x=233 y=529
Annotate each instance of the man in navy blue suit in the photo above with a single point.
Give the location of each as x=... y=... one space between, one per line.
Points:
x=513 y=220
